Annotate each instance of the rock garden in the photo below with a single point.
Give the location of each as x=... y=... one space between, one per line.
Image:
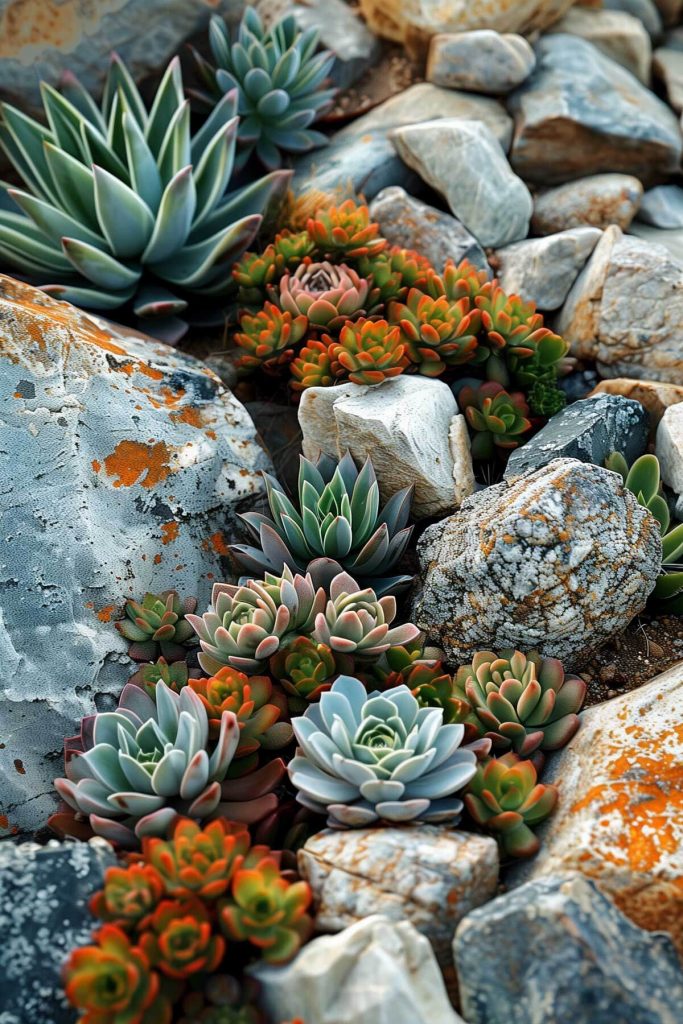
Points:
x=341 y=494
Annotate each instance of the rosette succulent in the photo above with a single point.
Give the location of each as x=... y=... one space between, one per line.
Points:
x=437 y=332
x=327 y=295
x=458 y=281
x=252 y=701
x=174 y=675
x=269 y=338
x=338 y=517
x=279 y=78
x=498 y=419
x=123 y=205
x=312 y=368
x=179 y=939
x=379 y=757
x=504 y=798
x=129 y=895
x=246 y=624
x=196 y=861
x=133 y=770
x=345 y=231
x=158 y=627
x=368 y=352
x=358 y=623
x=306 y=669
x=520 y=702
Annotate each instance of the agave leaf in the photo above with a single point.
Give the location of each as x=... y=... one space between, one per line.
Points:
x=338 y=538
x=223 y=113
x=219 y=40
x=174 y=153
x=174 y=218
x=260 y=197
x=23 y=139
x=52 y=221
x=74 y=184
x=169 y=97
x=396 y=512
x=64 y=120
x=115 y=134
x=296 y=539
x=188 y=266
x=99 y=267
x=372 y=556
x=98 y=151
x=20 y=235
x=119 y=81
x=90 y=298
x=213 y=171
x=268 y=154
x=643 y=477
x=153 y=300
x=309 y=474
x=286 y=69
x=144 y=173
x=125 y=219
x=81 y=100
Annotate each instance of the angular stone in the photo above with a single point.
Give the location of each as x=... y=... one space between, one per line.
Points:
x=620 y=816
x=670 y=451
x=670 y=239
x=44 y=893
x=124 y=464
x=575 y=959
x=598 y=201
x=411 y=224
x=465 y=163
x=655 y=396
x=481 y=61
x=667 y=64
x=619 y=36
x=342 y=31
x=644 y=10
x=589 y=430
x=542 y=270
x=663 y=207
x=581 y=113
x=560 y=560
x=403 y=425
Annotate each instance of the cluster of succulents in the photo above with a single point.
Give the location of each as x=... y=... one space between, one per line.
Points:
x=188 y=904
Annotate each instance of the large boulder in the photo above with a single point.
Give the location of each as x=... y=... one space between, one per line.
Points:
x=123 y=465
x=559 y=560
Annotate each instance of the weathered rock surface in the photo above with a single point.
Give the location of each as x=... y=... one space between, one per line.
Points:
x=403 y=424
x=377 y=970
x=588 y=430
x=662 y=207
x=123 y=465
x=655 y=396
x=342 y=31
x=542 y=270
x=626 y=310
x=670 y=451
x=670 y=10
x=581 y=113
x=618 y=35
x=644 y=10
x=599 y=201
x=620 y=816
x=575 y=959
x=44 y=893
x=667 y=64
x=670 y=239
x=559 y=560
x=480 y=61
x=465 y=163
x=411 y=224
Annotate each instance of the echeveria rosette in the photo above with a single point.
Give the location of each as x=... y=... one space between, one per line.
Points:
x=157 y=626
x=504 y=798
x=394 y=271
x=197 y=861
x=253 y=272
x=338 y=516
x=345 y=231
x=174 y=675
x=268 y=340
x=133 y=770
x=180 y=941
x=367 y=352
x=357 y=622
x=306 y=668
x=499 y=420
x=312 y=368
x=328 y=295
x=129 y=895
x=437 y=333
x=251 y=699
x=458 y=281
x=378 y=758
x=221 y=1000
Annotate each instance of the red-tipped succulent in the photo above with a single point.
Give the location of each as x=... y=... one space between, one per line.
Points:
x=368 y=352
x=345 y=231
x=268 y=339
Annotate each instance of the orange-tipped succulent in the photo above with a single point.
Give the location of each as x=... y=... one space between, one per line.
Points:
x=499 y=419
x=250 y=699
x=437 y=332
x=253 y=273
x=268 y=339
x=306 y=668
x=345 y=231
x=198 y=861
x=312 y=368
x=129 y=895
x=368 y=352
x=458 y=281
x=180 y=940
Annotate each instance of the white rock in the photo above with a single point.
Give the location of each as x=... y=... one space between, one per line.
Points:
x=404 y=424
x=662 y=206
x=669 y=450
x=542 y=270
x=617 y=34
x=481 y=61
x=667 y=64
x=465 y=163
x=670 y=238
x=599 y=201
x=377 y=970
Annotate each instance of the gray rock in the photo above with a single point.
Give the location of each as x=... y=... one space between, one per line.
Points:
x=411 y=224
x=342 y=31
x=581 y=113
x=618 y=35
x=560 y=560
x=670 y=239
x=645 y=10
x=542 y=270
x=663 y=207
x=670 y=451
x=465 y=163
x=124 y=464
x=482 y=61
x=575 y=959
x=667 y=64
x=597 y=201
x=44 y=893
x=588 y=430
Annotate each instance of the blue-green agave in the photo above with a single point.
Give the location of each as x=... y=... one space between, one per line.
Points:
x=123 y=204
x=280 y=79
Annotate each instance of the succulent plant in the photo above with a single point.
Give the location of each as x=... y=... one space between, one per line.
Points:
x=345 y=231
x=180 y=941
x=158 y=627
x=498 y=419
x=197 y=861
x=253 y=273
x=279 y=79
x=292 y=248
x=532 y=352
x=504 y=799
x=338 y=517
x=545 y=398
x=133 y=770
x=306 y=669
x=326 y=294
x=268 y=338
x=368 y=352
x=522 y=702
x=250 y=699
x=437 y=332
x=312 y=368
x=379 y=757
x=123 y=204
x=246 y=624
x=129 y=895
x=221 y=1000
x=268 y=911
x=394 y=271
x=458 y=281
x=356 y=622
x=174 y=675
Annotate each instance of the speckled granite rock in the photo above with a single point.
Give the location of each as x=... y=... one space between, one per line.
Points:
x=620 y=816
x=655 y=396
x=542 y=270
x=123 y=465
x=560 y=560
x=44 y=892
x=662 y=207
x=598 y=200
x=617 y=34
x=588 y=430
x=480 y=61
x=573 y=958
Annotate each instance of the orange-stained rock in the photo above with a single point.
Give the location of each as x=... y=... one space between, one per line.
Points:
x=655 y=395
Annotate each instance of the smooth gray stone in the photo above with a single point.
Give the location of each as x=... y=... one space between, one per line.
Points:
x=482 y=61
x=342 y=31
x=643 y=9
x=662 y=207
x=542 y=270
x=671 y=239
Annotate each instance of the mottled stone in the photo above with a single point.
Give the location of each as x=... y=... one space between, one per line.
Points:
x=560 y=560
x=669 y=450
x=670 y=239
x=411 y=224
x=667 y=64
x=619 y=36
x=542 y=270
x=654 y=395
x=620 y=816
x=581 y=113
x=597 y=201
x=644 y=10
x=44 y=893
x=662 y=207
x=481 y=61
x=124 y=464
x=376 y=970
x=465 y=163
x=342 y=31
x=588 y=430
x=574 y=959
x=404 y=425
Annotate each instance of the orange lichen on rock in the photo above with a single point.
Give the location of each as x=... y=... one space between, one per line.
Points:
x=169 y=532
x=133 y=462
x=105 y=614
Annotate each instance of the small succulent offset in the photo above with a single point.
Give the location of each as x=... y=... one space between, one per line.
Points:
x=157 y=628
x=280 y=82
x=327 y=295
x=356 y=622
x=252 y=700
x=504 y=798
x=338 y=517
x=379 y=757
x=306 y=668
x=498 y=419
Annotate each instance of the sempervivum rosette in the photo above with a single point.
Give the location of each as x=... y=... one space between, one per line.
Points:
x=379 y=757
x=328 y=295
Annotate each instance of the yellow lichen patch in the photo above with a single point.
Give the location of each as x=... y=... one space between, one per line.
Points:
x=133 y=462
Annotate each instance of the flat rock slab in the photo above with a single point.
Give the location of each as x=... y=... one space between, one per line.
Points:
x=542 y=270
x=482 y=61
x=599 y=201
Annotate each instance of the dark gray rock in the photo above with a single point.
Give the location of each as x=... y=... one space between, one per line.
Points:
x=570 y=957
x=342 y=31
x=44 y=892
x=578 y=384
x=589 y=431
